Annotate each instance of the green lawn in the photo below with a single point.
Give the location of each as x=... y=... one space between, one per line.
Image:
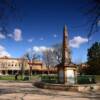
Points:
x=97 y=78
x=12 y=77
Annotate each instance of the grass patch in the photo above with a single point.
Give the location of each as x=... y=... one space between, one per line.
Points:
x=49 y=78
x=12 y=77
x=97 y=78
x=9 y=77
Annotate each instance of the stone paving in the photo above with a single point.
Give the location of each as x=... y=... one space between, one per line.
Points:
x=26 y=91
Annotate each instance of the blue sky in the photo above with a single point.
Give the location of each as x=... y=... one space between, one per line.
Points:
x=39 y=23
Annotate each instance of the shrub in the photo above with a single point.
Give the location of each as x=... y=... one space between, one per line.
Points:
x=86 y=79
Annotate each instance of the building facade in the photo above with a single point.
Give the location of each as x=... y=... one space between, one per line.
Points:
x=11 y=66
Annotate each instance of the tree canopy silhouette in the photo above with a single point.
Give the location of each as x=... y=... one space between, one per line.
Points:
x=94 y=59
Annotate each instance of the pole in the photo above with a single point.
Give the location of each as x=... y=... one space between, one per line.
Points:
x=30 y=71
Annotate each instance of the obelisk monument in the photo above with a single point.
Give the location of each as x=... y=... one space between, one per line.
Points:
x=66 y=69
x=65 y=49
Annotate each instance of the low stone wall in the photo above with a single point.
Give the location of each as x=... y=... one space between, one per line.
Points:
x=82 y=88
x=89 y=87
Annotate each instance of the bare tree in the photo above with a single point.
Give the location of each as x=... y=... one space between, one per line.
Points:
x=31 y=56
x=48 y=59
x=7 y=11
x=92 y=11
x=57 y=53
x=23 y=65
x=53 y=56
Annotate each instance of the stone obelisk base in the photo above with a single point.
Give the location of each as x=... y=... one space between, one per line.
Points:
x=67 y=75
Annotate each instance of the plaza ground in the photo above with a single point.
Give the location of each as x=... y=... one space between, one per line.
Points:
x=11 y=90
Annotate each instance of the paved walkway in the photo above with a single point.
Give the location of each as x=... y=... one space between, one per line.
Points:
x=26 y=91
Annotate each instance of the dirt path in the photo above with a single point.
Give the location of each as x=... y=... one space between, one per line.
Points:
x=26 y=91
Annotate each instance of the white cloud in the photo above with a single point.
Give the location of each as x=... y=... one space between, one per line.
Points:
x=77 y=41
x=3 y=52
x=17 y=35
x=2 y=36
x=1 y=48
x=10 y=35
x=30 y=40
x=40 y=48
x=41 y=38
x=55 y=35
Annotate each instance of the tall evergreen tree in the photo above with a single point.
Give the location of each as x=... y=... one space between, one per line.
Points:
x=94 y=59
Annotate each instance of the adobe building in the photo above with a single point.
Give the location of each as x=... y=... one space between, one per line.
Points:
x=67 y=71
x=10 y=66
